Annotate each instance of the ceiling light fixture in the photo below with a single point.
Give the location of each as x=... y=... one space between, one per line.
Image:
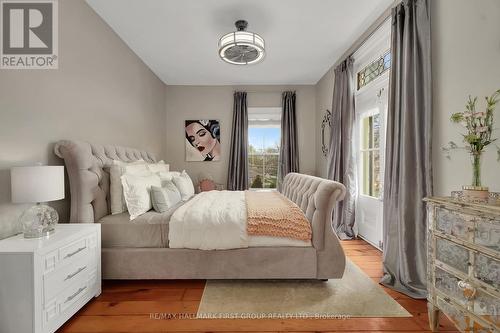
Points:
x=241 y=47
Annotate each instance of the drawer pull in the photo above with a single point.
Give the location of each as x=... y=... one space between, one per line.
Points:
x=70 y=276
x=467 y=289
x=69 y=255
x=75 y=294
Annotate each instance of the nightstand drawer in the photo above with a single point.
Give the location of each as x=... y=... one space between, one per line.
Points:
x=73 y=250
x=60 y=279
x=65 y=300
x=73 y=294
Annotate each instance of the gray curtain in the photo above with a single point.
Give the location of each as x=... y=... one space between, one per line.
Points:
x=341 y=166
x=289 y=150
x=408 y=168
x=237 y=177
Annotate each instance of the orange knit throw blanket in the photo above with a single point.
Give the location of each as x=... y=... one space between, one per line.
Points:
x=272 y=214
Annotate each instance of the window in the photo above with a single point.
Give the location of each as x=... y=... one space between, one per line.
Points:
x=264 y=135
x=374 y=70
x=370 y=156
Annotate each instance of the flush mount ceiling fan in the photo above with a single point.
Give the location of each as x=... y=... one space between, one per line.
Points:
x=241 y=47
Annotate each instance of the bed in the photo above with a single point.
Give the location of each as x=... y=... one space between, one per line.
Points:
x=139 y=249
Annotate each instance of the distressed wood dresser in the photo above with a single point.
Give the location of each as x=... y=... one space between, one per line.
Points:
x=463 y=258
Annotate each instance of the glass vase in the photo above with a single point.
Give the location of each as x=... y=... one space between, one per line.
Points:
x=476 y=169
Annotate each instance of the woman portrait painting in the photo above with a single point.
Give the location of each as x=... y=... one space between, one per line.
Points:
x=202 y=140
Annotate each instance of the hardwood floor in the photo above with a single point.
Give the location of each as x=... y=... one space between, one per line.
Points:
x=125 y=306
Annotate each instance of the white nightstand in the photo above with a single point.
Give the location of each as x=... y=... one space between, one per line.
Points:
x=43 y=282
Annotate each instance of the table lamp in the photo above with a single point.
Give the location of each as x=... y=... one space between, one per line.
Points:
x=37 y=184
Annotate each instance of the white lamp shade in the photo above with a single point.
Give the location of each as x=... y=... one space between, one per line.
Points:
x=37 y=183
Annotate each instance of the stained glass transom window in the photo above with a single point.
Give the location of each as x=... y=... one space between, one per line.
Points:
x=374 y=70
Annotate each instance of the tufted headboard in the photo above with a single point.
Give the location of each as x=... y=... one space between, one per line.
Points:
x=317 y=197
x=87 y=167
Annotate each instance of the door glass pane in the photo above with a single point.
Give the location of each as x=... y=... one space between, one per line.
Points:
x=372 y=183
x=370 y=156
x=370 y=129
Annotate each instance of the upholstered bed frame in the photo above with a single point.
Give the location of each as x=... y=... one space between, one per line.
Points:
x=86 y=166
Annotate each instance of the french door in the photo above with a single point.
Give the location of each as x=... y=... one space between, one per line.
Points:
x=370 y=141
x=372 y=66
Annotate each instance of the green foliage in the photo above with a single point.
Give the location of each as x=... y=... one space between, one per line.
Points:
x=478 y=125
x=257 y=182
x=457 y=117
x=272 y=182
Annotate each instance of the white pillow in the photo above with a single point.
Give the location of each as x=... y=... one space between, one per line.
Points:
x=184 y=184
x=136 y=189
x=117 y=170
x=165 y=197
x=158 y=167
x=168 y=176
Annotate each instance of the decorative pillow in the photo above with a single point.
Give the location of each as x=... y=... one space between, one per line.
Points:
x=207 y=185
x=184 y=184
x=168 y=176
x=165 y=197
x=117 y=170
x=136 y=189
x=158 y=167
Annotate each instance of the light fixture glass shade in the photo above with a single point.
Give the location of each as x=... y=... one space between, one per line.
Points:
x=241 y=48
x=36 y=184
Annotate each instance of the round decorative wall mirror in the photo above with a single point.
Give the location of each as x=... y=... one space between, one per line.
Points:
x=326 y=125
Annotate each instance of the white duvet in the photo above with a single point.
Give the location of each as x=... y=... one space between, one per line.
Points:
x=217 y=220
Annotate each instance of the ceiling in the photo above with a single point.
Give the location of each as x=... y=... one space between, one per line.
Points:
x=178 y=39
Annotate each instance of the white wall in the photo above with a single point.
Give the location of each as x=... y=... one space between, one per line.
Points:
x=216 y=102
x=102 y=93
x=466 y=60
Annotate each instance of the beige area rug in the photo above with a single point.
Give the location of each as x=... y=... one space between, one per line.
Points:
x=355 y=295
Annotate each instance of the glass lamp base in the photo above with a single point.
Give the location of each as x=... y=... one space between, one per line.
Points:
x=39 y=221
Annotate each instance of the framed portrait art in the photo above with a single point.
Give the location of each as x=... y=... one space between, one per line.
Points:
x=202 y=140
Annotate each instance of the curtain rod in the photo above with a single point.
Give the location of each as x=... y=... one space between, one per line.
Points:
x=386 y=15
x=264 y=92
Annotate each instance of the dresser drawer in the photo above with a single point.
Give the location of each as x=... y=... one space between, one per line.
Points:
x=448 y=285
x=60 y=279
x=487 y=270
x=452 y=255
x=456 y=314
x=487 y=234
x=487 y=307
x=454 y=224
